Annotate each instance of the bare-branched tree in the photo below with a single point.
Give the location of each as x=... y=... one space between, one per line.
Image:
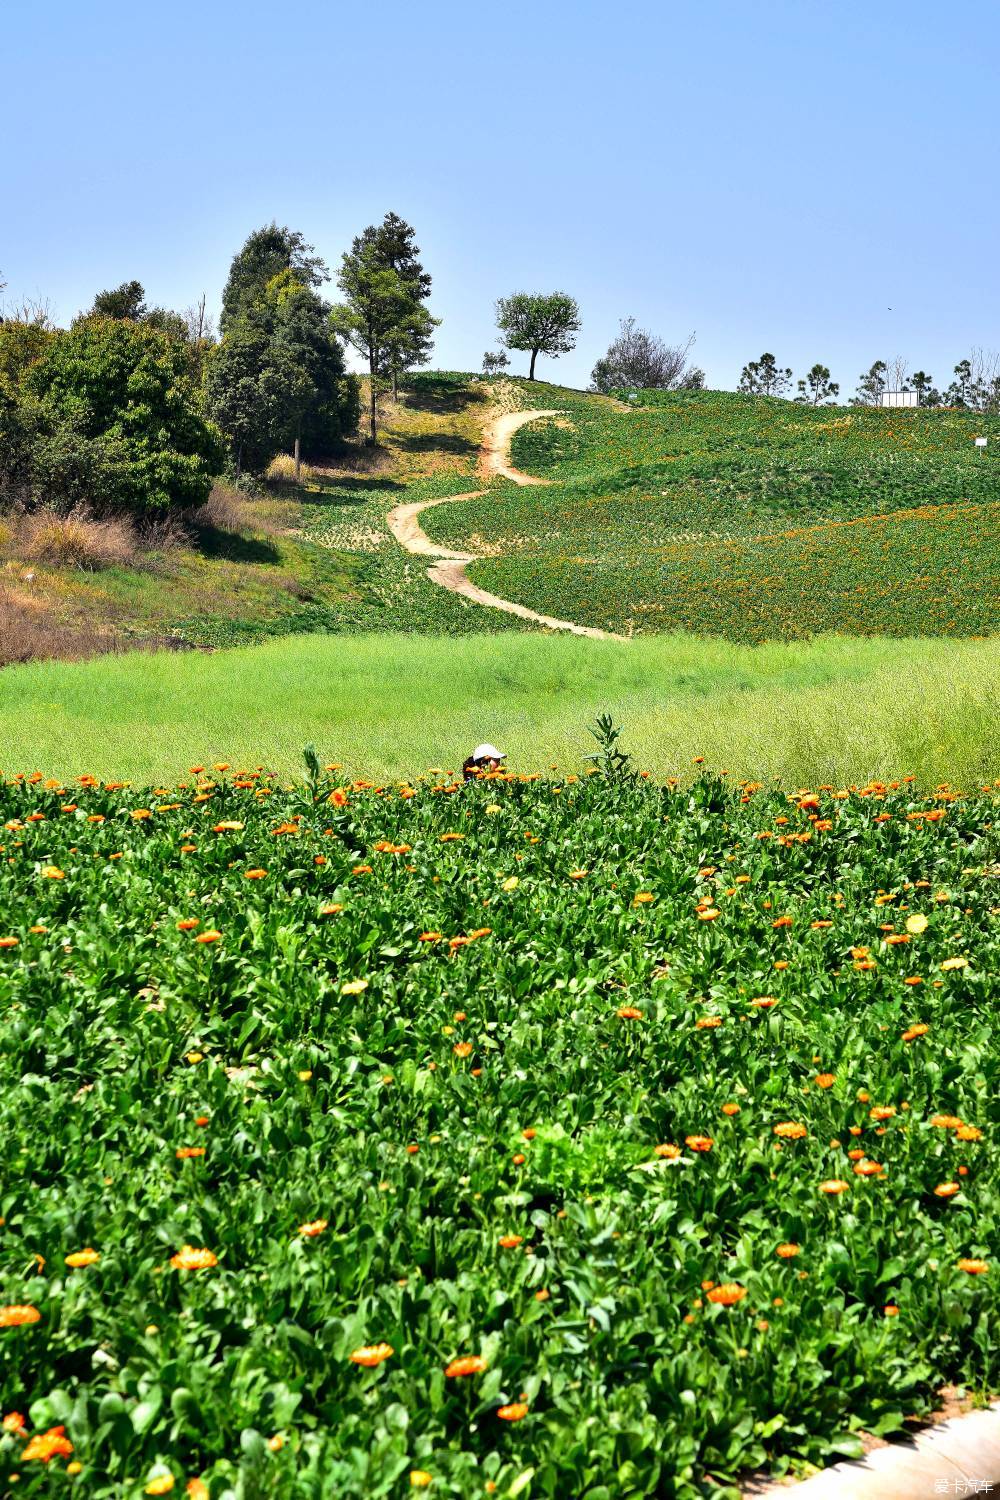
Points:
x=638 y=358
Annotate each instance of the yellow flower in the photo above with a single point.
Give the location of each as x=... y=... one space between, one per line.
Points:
x=354 y=987
x=82 y=1258
x=420 y=1479
x=510 y=884
x=162 y=1484
x=954 y=963
x=52 y=872
x=917 y=923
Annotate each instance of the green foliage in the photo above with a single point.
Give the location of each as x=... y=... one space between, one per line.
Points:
x=125 y=301
x=745 y=517
x=117 y=420
x=266 y=254
x=321 y=1035
x=610 y=760
x=539 y=323
x=255 y=390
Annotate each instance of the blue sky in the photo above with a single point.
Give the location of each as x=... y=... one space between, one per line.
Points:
x=773 y=175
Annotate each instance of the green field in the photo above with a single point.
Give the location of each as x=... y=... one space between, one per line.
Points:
x=832 y=709
x=303 y=1101
x=744 y=517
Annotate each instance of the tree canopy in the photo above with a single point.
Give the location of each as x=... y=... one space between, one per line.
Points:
x=539 y=323
x=638 y=358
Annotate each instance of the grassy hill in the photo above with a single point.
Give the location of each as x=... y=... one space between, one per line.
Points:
x=744 y=517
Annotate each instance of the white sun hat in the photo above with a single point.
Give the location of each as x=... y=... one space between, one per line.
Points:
x=488 y=752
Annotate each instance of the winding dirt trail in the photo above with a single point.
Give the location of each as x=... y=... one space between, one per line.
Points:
x=449 y=569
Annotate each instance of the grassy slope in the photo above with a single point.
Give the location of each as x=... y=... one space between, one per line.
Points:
x=746 y=518
x=836 y=709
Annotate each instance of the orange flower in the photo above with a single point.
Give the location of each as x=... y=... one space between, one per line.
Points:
x=542 y=1295
x=313 y=1228
x=371 y=1355
x=728 y=1294
x=189 y=1258
x=968 y=1133
x=730 y=1109
x=865 y=1168
x=763 y=1002
x=698 y=1142
x=81 y=1258
x=642 y=898
x=706 y=913
x=782 y=922
x=787 y=1252
x=974 y=1267
x=188 y=924
x=420 y=1479
x=912 y=1032
x=13 y=1422
x=510 y=1241
x=946 y=1122
x=53 y=872
x=629 y=1013
x=431 y=937
x=671 y=1153
x=833 y=1186
x=891 y=1310
x=197 y=1489
x=708 y=1023
x=338 y=796
x=254 y=874
x=465 y=1364
x=947 y=1189
x=9 y=942
x=825 y=1080
x=463 y=1049
x=514 y=1412
x=882 y=1112
x=184 y=1153
x=791 y=1130
x=47 y=1445
x=17 y=1314
x=208 y=937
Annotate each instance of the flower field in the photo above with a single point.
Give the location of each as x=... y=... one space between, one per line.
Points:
x=535 y=1137
x=744 y=517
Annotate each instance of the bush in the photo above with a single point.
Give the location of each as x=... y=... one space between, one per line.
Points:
x=117 y=421
x=77 y=540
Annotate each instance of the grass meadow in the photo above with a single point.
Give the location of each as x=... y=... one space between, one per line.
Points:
x=834 y=709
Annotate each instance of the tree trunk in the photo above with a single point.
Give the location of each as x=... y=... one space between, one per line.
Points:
x=372 y=412
x=531 y=371
x=298 y=465
x=395 y=384
x=239 y=462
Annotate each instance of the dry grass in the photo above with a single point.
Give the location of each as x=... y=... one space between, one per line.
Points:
x=232 y=511
x=77 y=540
x=29 y=633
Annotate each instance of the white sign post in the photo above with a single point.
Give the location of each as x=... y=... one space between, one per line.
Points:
x=981 y=442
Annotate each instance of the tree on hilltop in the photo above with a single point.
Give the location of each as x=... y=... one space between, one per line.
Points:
x=923 y=384
x=495 y=361
x=871 y=385
x=265 y=254
x=818 y=389
x=382 y=315
x=764 y=377
x=539 y=324
x=638 y=358
x=126 y=301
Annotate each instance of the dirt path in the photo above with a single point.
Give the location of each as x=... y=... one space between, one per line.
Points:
x=449 y=570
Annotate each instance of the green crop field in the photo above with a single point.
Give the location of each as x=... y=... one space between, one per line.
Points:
x=359 y=1137
x=744 y=517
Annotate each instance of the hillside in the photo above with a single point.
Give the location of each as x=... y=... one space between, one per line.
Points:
x=743 y=517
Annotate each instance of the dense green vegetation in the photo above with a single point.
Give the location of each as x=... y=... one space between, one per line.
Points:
x=668 y=1111
x=724 y=514
x=833 y=709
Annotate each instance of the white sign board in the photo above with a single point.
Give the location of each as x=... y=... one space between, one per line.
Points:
x=981 y=442
x=898 y=398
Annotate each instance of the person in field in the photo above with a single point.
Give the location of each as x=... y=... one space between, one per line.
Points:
x=483 y=758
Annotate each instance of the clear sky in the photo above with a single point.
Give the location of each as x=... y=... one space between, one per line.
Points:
x=774 y=174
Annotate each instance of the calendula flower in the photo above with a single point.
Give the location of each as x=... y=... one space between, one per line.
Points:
x=787 y=1251
x=629 y=1013
x=833 y=1186
x=954 y=963
x=698 y=1142
x=730 y=1109
x=80 y=1258
x=890 y=1310
x=463 y=1049
x=194 y=1057
x=968 y=1133
x=208 y=937
x=313 y=1228
x=707 y=913
x=510 y=884
x=514 y=1412
x=190 y=1258
x=18 y=1314
x=763 y=1002
x=973 y=1267
x=946 y=1122
x=185 y=1153
x=542 y=1295
x=825 y=1080
x=9 y=942
x=370 y=1355
x=197 y=1489
x=420 y=1479
x=465 y=1364
x=917 y=923
x=254 y=874
x=354 y=987
x=53 y=872
x=13 y=1422
x=160 y=1484
x=667 y=1151
x=791 y=1130
x=510 y=1241
x=47 y=1445
x=947 y=1189
x=338 y=797
x=708 y=1023
x=882 y=1112
x=642 y=898
x=728 y=1294
x=912 y=1032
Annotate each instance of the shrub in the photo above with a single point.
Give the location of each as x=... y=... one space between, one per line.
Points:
x=77 y=540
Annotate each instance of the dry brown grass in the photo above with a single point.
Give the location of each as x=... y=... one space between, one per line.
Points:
x=76 y=540
x=29 y=633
